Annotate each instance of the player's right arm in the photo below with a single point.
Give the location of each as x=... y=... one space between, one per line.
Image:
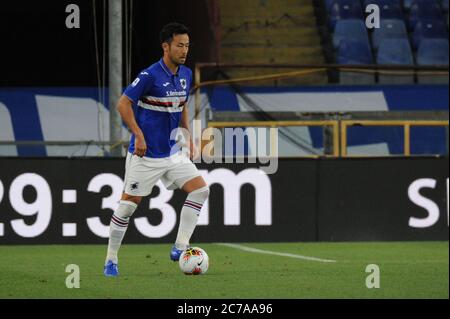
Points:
x=125 y=108
x=131 y=95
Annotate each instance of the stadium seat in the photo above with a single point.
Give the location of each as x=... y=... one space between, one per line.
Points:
x=353 y=52
x=344 y=9
x=329 y=3
x=445 y=5
x=391 y=12
x=424 y=11
x=407 y=4
x=350 y=29
x=433 y=52
x=428 y=30
x=395 y=52
x=389 y=29
x=389 y=9
x=383 y=2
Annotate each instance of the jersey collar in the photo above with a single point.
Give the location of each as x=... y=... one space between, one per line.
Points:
x=166 y=69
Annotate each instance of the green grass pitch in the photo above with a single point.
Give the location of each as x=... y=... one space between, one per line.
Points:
x=407 y=270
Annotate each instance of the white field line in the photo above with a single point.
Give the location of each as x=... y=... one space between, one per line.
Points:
x=268 y=252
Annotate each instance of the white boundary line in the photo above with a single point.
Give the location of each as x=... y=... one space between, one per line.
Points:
x=268 y=252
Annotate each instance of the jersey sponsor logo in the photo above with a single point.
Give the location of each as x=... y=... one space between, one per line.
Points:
x=144 y=73
x=166 y=84
x=175 y=93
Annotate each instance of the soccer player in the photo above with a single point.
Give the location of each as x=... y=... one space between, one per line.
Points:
x=159 y=94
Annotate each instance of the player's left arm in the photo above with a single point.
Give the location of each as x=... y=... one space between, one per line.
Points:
x=184 y=123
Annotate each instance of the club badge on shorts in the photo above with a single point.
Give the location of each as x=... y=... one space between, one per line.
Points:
x=134 y=186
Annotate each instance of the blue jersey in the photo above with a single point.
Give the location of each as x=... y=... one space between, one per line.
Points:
x=159 y=97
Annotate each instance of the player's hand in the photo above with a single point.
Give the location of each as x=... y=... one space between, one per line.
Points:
x=140 y=147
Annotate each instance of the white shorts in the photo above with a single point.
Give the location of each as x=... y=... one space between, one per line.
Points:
x=142 y=173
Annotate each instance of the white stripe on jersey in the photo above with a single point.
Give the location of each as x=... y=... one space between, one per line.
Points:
x=169 y=109
x=172 y=99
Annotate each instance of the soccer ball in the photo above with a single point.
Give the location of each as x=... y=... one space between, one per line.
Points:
x=194 y=261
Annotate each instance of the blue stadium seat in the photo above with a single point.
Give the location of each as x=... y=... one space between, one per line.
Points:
x=407 y=4
x=389 y=29
x=391 y=12
x=329 y=3
x=445 y=5
x=429 y=10
x=389 y=9
x=354 y=52
x=350 y=29
x=395 y=52
x=383 y=2
x=428 y=30
x=433 y=52
x=344 y=9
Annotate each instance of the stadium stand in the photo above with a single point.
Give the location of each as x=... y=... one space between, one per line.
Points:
x=389 y=29
x=344 y=9
x=407 y=4
x=429 y=10
x=382 y=3
x=428 y=30
x=388 y=9
x=395 y=52
x=353 y=52
x=350 y=29
x=445 y=5
x=413 y=21
x=433 y=52
x=270 y=32
x=391 y=11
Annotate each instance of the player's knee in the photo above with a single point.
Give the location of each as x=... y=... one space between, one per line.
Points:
x=135 y=199
x=201 y=193
x=126 y=209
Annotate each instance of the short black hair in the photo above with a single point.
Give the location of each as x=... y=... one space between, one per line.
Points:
x=171 y=29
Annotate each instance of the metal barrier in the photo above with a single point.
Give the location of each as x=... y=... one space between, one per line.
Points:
x=274 y=124
x=336 y=124
x=406 y=127
x=303 y=70
x=104 y=148
x=339 y=124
